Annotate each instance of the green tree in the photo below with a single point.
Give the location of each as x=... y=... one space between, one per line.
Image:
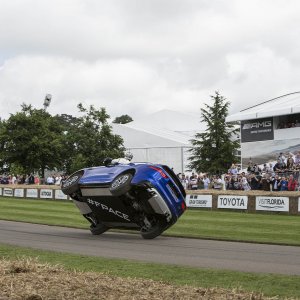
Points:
x=31 y=140
x=2 y=145
x=70 y=125
x=89 y=140
x=123 y=119
x=214 y=150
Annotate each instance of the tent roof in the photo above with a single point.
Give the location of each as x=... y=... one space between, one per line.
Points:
x=165 y=128
x=171 y=120
x=141 y=137
x=283 y=105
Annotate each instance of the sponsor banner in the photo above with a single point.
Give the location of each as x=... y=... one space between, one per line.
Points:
x=0 y=191
x=46 y=193
x=19 y=193
x=199 y=201
x=31 y=193
x=257 y=130
x=272 y=203
x=8 y=192
x=233 y=202
x=60 y=195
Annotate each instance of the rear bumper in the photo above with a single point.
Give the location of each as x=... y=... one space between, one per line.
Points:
x=173 y=201
x=159 y=205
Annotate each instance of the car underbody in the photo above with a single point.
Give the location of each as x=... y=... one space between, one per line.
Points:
x=141 y=208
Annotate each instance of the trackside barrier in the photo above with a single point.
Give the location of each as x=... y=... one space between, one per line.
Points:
x=273 y=202
x=38 y=193
x=249 y=203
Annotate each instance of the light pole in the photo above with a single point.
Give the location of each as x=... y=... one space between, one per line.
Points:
x=47 y=101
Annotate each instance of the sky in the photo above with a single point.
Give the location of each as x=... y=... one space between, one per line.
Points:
x=137 y=57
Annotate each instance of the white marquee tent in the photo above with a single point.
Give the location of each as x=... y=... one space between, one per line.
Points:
x=162 y=137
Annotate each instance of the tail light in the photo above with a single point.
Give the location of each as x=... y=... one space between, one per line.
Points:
x=183 y=206
x=160 y=171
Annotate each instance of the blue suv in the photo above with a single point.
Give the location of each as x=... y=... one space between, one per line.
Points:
x=139 y=196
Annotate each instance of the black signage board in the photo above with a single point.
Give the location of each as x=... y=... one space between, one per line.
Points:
x=257 y=130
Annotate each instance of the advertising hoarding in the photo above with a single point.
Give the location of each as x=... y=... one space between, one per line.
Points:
x=257 y=130
x=31 y=193
x=46 y=194
x=19 y=193
x=8 y=192
x=204 y=201
x=60 y=195
x=272 y=203
x=233 y=201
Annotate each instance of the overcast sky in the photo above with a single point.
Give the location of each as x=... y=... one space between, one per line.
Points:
x=140 y=56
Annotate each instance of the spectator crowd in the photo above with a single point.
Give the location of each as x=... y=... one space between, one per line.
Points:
x=55 y=179
x=280 y=176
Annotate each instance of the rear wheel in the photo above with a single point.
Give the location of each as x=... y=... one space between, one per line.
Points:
x=156 y=229
x=70 y=185
x=121 y=184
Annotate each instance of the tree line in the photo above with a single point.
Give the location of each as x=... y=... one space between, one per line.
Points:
x=32 y=140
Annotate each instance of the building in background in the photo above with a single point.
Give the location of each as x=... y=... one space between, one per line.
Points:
x=270 y=128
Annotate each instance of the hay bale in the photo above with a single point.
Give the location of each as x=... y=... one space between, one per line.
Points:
x=27 y=279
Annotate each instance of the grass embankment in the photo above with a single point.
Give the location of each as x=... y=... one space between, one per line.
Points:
x=268 y=284
x=222 y=225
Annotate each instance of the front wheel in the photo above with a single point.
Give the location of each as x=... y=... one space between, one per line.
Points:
x=70 y=185
x=121 y=184
x=98 y=229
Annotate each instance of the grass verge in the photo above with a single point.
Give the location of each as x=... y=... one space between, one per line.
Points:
x=222 y=225
x=62 y=284
x=239 y=226
x=268 y=284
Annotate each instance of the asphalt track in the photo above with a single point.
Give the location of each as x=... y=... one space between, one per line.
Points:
x=244 y=257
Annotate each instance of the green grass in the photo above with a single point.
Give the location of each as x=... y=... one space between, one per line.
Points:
x=239 y=226
x=61 y=213
x=268 y=284
x=222 y=225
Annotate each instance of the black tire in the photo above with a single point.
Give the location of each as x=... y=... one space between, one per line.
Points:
x=121 y=184
x=153 y=232
x=70 y=185
x=98 y=229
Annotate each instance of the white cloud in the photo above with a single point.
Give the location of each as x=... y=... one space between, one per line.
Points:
x=134 y=56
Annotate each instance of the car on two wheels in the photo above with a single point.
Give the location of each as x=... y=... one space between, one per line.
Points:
x=138 y=196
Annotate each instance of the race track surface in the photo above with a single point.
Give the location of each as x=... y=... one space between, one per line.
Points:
x=244 y=257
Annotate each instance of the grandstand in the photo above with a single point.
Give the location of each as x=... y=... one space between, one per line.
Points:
x=270 y=128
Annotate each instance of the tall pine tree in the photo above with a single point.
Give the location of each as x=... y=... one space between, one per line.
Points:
x=214 y=150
